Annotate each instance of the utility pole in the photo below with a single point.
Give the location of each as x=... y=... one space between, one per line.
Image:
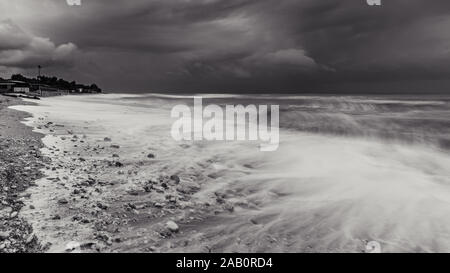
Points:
x=39 y=79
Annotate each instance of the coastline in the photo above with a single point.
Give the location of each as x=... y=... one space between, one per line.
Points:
x=20 y=164
x=116 y=182
x=101 y=195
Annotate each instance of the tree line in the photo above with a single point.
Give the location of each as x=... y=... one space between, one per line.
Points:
x=55 y=82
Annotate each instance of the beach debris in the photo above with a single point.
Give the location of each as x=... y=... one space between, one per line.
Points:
x=107 y=139
x=151 y=155
x=115 y=146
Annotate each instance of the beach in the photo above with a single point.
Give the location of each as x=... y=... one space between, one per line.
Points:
x=20 y=164
x=348 y=171
x=104 y=192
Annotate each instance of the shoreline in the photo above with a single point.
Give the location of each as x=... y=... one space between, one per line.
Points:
x=98 y=195
x=115 y=182
x=20 y=166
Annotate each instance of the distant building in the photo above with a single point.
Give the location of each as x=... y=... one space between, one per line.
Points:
x=47 y=91
x=6 y=87
x=85 y=90
x=37 y=88
x=21 y=87
x=14 y=87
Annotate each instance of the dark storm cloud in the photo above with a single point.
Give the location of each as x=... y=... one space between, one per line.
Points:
x=247 y=45
x=19 y=49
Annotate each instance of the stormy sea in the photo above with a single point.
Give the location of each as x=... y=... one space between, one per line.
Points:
x=349 y=171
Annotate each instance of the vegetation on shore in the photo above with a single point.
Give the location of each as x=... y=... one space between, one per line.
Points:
x=55 y=83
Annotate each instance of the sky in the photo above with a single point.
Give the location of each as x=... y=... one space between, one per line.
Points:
x=235 y=46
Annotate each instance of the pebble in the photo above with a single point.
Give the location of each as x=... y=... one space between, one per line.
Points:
x=102 y=206
x=29 y=239
x=4 y=235
x=175 y=178
x=63 y=201
x=5 y=212
x=172 y=226
x=133 y=192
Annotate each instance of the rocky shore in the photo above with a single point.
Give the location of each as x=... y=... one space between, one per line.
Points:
x=20 y=164
x=92 y=200
x=100 y=192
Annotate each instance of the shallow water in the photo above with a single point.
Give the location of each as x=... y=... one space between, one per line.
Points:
x=348 y=170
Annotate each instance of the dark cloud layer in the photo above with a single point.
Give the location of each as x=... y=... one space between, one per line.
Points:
x=233 y=45
x=20 y=50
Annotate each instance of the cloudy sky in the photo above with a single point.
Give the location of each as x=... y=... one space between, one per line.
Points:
x=232 y=45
